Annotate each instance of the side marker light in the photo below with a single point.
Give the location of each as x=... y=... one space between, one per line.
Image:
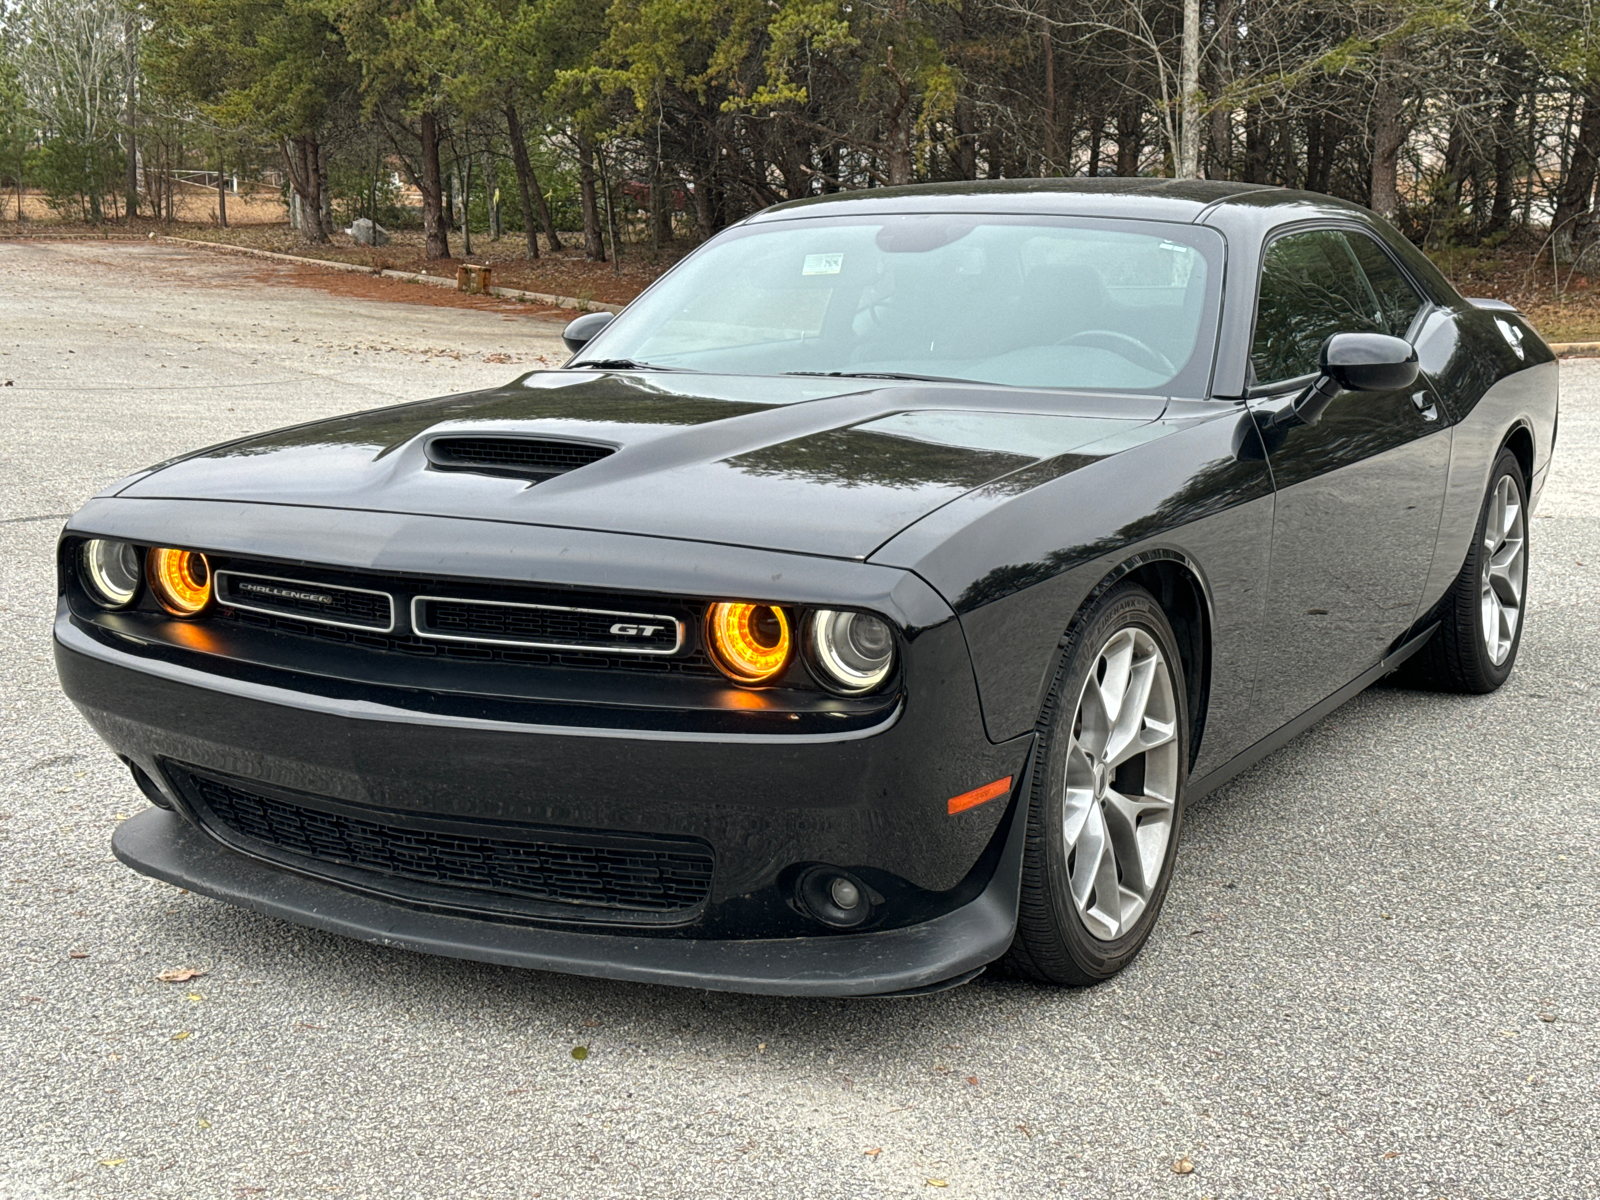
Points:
x=977 y=796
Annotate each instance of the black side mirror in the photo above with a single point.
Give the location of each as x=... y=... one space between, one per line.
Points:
x=1357 y=362
x=580 y=332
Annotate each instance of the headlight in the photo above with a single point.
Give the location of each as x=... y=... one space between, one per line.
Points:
x=111 y=570
x=854 y=651
x=749 y=642
x=181 y=580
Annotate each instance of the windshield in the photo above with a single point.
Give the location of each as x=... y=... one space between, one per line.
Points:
x=1023 y=301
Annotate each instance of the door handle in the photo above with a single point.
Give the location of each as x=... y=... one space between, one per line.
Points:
x=1425 y=405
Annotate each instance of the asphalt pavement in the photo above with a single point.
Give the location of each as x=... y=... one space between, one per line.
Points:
x=1377 y=975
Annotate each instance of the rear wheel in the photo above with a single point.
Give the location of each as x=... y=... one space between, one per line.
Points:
x=1106 y=805
x=1481 y=616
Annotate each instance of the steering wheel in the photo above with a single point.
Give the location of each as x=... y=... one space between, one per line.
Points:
x=1120 y=344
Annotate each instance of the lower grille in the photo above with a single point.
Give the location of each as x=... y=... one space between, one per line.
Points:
x=620 y=872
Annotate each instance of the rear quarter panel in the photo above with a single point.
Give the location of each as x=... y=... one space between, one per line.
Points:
x=1491 y=391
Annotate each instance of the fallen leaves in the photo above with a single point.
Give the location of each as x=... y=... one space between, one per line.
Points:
x=180 y=974
x=178 y=1037
x=1183 y=1166
x=112 y=1162
x=973 y=1080
x=1392 y=1154
x=77 y=954
x=580 y=1052
x=938 y=1183
x=1548 y=1018
x=873 y=1153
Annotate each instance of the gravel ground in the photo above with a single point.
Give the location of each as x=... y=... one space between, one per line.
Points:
x=1376 y=974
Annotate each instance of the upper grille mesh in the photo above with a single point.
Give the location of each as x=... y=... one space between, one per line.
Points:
x=628 y=873
x=514 y=456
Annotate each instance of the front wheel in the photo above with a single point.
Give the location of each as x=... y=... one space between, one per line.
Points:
x=1481 y=616
x=1106 y=803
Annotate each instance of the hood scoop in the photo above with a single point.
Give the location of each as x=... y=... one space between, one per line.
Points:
x=537 y=459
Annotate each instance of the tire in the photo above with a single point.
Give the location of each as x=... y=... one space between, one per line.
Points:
x=1459 y=657
x=1078 y=923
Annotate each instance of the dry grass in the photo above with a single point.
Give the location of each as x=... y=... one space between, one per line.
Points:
x=194 y=205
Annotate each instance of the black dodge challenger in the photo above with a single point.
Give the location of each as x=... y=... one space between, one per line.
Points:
x=862 y=606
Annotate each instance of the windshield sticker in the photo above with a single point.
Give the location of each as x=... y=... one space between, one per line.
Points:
x=822 y=264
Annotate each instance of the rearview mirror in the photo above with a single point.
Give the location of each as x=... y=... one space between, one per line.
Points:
x=1355 y=362
x=580 y=332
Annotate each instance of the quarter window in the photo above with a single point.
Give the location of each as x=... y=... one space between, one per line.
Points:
x=1319 y=283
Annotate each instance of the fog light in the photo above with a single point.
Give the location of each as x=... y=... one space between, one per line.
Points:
x=111 y=569
x=749 y=642
x=180 y=579
x=833 y=897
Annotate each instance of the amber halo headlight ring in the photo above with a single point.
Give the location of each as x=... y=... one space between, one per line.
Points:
x=180 y=580
x=851 y=652
x=110 y=571
x=750 y=643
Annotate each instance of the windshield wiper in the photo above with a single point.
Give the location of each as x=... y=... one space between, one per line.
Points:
x=621 y=364
x=883 y=375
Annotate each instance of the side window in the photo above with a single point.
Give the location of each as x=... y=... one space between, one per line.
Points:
x=1398 y=302
x=1312 y=287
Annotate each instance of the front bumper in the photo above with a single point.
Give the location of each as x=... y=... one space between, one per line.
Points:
x=872 y=802
x=944 y=951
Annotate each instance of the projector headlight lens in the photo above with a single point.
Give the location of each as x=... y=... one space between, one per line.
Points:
x=749 y=642
x=181 y=580
x=853 y=651
x=111 y=569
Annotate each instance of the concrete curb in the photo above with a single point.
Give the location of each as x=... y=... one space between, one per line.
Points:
x=1575 y=349
x=547 y=298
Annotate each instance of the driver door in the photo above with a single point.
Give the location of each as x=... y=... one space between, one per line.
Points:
x=1359 y=495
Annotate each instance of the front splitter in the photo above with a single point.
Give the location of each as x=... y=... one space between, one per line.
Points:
x=916 y=959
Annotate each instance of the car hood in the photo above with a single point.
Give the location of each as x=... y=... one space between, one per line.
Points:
x=817 y=466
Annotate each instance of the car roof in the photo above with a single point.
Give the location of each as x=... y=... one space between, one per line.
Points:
x=1137 y=198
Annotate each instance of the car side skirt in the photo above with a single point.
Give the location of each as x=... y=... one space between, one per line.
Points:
x=1212 y=780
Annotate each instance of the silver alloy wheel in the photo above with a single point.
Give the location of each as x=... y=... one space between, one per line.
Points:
x=1121 y=783
x=1503 y=575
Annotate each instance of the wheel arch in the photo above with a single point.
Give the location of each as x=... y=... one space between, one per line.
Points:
x=1519 y=440
x=1179 y=587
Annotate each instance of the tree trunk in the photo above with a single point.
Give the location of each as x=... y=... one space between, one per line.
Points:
x=1257 y=146
x=463 y=169
x=1050 y=150
x=300 y=157
x=1505 y=154
x=611 y=212
x=222 y=190
x=1130 y=121
x=527 y=184
x=1188 y=166
x=431 y=185
x=130 y=118
x=593 y=245
x=1577 y=184
x=1221 y=149
x=966 y=151
x=1097 y=130
x=1387 y=134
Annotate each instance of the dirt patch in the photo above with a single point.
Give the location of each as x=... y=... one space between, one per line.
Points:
x=563 y=273
x=375 y=287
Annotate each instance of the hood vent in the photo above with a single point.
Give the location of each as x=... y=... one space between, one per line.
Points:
x=523 y=458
